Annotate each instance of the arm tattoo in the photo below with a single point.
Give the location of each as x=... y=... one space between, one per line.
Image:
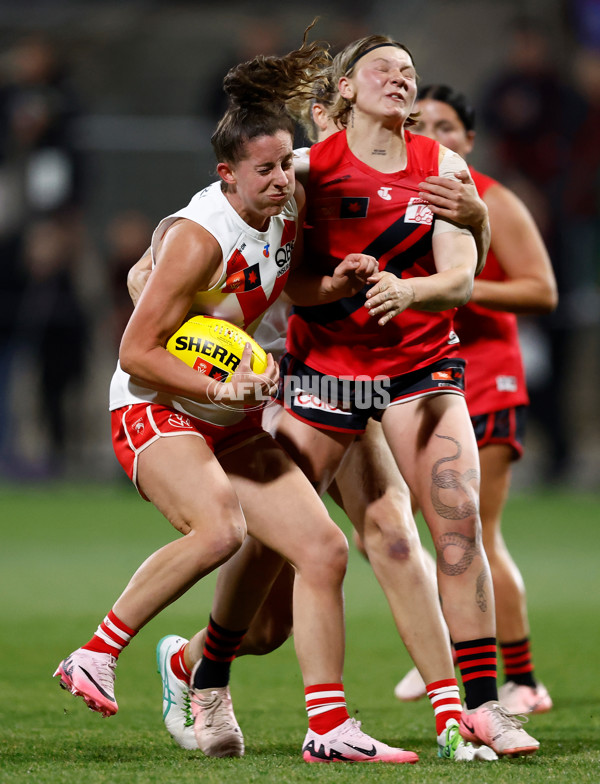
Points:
x=379 y=152
x=480 y=592
x=449 y=479
x=465 y=543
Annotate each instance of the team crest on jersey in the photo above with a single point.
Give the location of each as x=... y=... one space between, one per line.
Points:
x=418 y=211
x=356 y=207
x=385 y=193
x=244 y=280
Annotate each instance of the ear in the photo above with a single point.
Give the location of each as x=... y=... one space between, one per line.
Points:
x=470 y=135
x=346 y=88
x=226 y=173
x=320 y=117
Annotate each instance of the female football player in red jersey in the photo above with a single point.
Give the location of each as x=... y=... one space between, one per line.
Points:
x=363 y=192
x=517 y=278
x=211 y=469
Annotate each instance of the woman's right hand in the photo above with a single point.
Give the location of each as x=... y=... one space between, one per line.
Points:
x=247 y=387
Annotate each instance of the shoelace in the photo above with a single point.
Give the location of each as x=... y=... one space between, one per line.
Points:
x=187 y=709
x=354 y=732
x=219 y=720
x=506 y=720
x=105 y=672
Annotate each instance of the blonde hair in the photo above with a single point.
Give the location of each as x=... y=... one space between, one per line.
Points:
x=322 y=91
x=343 y=65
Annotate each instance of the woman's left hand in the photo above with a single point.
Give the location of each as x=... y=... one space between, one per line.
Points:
x=388 y=297
x=454 y=199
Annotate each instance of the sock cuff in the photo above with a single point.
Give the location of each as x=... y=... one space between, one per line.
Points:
x=221 y=631
x=116 y=621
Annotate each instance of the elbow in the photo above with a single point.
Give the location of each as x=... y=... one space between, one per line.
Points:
x=551 y=300
x=127 y=360
x=547 y=301
x=466 y=293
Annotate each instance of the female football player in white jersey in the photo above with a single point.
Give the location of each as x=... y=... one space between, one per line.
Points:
x=211 y=470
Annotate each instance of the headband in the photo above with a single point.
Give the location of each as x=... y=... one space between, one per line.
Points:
x=357 y=57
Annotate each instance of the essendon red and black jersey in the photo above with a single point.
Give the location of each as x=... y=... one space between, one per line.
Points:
x=489 y=341
x=353 y=208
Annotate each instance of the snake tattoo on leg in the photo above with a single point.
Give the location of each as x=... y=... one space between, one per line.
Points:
x=450 y=479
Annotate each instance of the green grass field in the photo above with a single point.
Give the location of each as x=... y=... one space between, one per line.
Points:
x=66 y=553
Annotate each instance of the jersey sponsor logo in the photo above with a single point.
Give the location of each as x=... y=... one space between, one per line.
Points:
x=266 y=251
x=283 y=258
x=244 y=280
x=453 y=338
x=452 y=375
x=385 y=193
x=507 y=384
x=178 y=420
x=139 y=426
x=417 y=211
x=304 y=400
x=354 y=207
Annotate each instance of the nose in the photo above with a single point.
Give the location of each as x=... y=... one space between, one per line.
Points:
x=397 y=76
x=280 y=176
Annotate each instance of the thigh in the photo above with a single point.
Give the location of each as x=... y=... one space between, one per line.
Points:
x=367 y=475
x=317 y=452
x=496 y=467
x=281 y=507
x=434 y=445
x=182 y=478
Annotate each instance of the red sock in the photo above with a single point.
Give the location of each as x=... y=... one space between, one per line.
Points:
x=326 y=706
x=445 y=701
x=178 y=665
x=111 y=636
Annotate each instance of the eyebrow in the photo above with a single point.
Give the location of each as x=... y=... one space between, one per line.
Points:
x=388 y=60
x=287 y=157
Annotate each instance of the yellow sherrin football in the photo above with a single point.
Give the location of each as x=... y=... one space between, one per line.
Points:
x=214 y=347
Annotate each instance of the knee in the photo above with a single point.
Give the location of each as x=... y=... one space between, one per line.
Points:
x=390 y=530
x=270 y=636
x=325 y=558
x=221 y=539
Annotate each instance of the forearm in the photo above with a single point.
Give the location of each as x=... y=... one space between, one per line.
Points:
x=482 y=235
x=448 y=289
x=157 y=369
x=305 y=288
x=523 y=295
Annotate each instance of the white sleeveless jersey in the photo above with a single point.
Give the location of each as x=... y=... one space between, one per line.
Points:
x=254 y=271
